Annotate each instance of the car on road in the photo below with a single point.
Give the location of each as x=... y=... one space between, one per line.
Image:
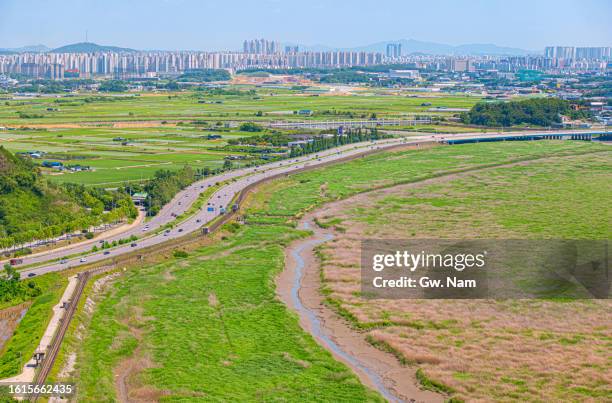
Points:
x=63 y=261
x=83 y=260
x=107 y=252
x=31 y=274
x=198 y=220
x=133 y=245
x=180 y=230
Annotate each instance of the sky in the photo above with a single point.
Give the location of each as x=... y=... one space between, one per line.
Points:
x=223 y=25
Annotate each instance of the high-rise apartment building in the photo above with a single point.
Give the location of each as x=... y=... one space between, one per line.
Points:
x=125 y=65
x=577 y=53
x=261 y=47
x=394 y=50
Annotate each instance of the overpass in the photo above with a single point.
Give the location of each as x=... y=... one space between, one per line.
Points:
x=335 y=124
x=583 y=136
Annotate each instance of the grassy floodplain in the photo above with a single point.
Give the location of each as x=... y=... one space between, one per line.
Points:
x=274 y=103
x=209 y=326
x=526 y=350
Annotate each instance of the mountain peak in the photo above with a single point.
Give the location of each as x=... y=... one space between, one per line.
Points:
x=89 y=47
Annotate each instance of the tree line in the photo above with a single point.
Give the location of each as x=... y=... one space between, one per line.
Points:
x=32 y=208
x=537 y=111
x=321 y=143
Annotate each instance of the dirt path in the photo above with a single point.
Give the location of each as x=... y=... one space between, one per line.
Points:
x=298 y=286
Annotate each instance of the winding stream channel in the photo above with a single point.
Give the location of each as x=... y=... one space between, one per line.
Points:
x=298 y=286
x=316 y=329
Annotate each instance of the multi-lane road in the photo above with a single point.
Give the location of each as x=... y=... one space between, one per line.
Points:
x=230 y=184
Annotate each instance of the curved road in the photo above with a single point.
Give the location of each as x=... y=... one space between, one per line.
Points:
x=239 y=179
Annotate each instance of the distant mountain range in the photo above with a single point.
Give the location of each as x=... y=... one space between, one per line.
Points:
x=409 y=46
x=26 y=49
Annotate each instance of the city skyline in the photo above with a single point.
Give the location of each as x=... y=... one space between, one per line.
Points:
x=188 y=25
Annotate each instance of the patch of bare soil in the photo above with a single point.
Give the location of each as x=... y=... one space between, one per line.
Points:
x=127 y=373
x=9 y=319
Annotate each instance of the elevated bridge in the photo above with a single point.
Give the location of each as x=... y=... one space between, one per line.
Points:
x=584 y=136
x=350 y=123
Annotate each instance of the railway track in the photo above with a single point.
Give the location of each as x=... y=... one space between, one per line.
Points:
x=51 y=355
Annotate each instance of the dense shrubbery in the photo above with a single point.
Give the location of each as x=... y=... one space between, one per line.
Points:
x=25 y=115
x=539 y=111
x=345 y=77
x=164 y=186
x=250 y=127
x=32 y=208
x=113 y=86
x=204 y=75
x=12 y=289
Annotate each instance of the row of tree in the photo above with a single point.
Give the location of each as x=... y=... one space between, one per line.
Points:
x=326 y=142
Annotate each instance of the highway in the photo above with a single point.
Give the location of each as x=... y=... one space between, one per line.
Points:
x=237 y=180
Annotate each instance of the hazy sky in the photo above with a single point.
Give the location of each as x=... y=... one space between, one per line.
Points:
x=214 y=25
